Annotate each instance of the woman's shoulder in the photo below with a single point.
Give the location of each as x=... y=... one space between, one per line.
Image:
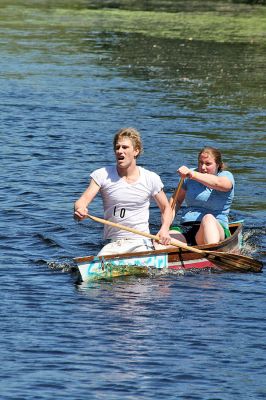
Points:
x=225 y=173
x=228 y=175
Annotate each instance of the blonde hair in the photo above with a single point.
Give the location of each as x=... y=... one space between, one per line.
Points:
x=216 y=154
x=133 y=135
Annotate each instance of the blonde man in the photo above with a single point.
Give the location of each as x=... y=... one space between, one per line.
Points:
x=126 y=190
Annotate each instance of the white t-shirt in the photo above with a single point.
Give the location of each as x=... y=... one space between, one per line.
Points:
x=126 y=203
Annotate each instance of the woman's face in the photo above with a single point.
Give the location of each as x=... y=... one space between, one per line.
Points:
x=207 y=164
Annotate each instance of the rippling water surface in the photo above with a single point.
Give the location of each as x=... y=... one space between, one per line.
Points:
x=64 y=93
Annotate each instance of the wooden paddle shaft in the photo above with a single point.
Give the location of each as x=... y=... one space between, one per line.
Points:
x=232 y=261
x=175 y=243
x=176 y=193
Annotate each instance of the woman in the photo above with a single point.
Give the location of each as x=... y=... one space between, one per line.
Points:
x=208 y=191
x=127 y=191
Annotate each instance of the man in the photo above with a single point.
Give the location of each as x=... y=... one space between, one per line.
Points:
x=126 y=190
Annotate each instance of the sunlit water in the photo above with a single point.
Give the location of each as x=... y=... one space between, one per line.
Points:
x=165 y=337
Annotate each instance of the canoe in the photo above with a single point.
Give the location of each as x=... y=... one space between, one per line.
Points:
x=169 y=259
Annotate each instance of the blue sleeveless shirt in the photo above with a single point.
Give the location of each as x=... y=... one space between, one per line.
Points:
x=202 y=200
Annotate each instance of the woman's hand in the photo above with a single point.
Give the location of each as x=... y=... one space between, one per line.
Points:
x=185 y=172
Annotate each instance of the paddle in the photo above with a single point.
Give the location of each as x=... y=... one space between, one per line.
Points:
x=226 y=260
x=176 y=193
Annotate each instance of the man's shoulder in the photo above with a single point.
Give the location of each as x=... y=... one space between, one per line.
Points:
x=104 y=174
x=104 y=170
x=153 y=180
x=148 y=172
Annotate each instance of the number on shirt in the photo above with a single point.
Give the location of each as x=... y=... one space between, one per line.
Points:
x=122 y=212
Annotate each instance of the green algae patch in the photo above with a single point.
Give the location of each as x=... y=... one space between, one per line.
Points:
x=226 y=26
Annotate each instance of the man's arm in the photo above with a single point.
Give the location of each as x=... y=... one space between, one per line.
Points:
x=166 y=217
x=80 y=206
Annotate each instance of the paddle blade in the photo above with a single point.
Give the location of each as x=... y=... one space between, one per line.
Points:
x=234 y=262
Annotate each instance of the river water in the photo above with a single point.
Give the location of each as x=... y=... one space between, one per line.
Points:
x=64 y=92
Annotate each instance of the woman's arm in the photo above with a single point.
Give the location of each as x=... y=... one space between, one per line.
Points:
x=221 y=183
